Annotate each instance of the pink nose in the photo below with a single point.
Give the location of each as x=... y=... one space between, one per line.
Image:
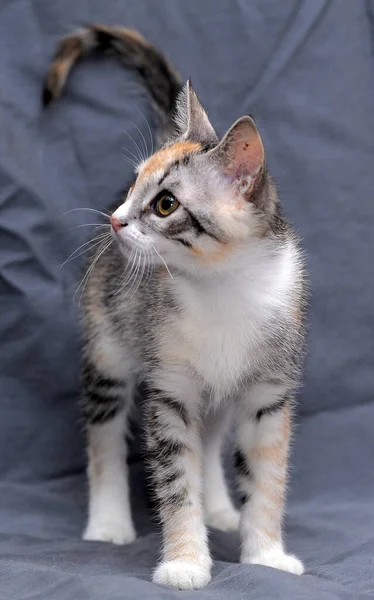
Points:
x=116 y=224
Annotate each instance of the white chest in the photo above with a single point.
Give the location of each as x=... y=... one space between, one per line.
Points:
x=217 y=341
x=221 y=329
x=217 y=336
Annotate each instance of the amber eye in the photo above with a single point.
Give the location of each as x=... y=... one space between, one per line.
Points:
x=165 y=204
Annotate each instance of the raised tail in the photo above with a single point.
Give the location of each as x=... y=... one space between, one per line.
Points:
x=162 y=81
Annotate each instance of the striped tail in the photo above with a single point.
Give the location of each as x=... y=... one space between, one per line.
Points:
x=162 y=81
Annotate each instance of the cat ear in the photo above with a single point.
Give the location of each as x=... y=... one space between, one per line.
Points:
x=192 y=119
x=241 y=154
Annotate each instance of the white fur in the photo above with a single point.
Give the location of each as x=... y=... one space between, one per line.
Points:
x=230 y=286
x=276 y=558
x=263 y=514
x=109 y=513
x=219 y=510
x=223 y=317
x=220 y=326
x=182 y=575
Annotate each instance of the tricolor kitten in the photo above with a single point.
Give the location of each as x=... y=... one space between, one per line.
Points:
x=216 y=335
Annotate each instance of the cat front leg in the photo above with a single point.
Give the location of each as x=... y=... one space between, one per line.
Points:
x=175 y=457
x=261 y=461
x=219 y=509
x=106 y=405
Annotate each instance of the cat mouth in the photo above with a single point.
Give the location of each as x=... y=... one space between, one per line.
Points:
x=127 y=243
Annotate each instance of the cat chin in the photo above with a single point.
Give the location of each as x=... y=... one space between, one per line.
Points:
x=128 y=245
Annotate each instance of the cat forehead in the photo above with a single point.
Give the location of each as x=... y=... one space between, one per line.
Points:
x=164 y=158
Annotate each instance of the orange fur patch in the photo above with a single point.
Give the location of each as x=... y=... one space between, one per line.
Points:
x=217 y=255
x=177 y=549
x=287 y=421
x=274 y=494
x=134 y=36
x=95 y=459
x=167 y=155
x=197 y=252
x=70 y=48
x=270 y=535
x=60 y=67
x=273 y=452
x=280 y=479
x=178 y=544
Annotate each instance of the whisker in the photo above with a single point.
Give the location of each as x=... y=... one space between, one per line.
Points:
x=131 y=162
x=140 y=275
x=132 y=273
x=89 y=225
x=135 y=144
x=136 y=158
x=141 y=279
x=145 y=145
x=136 y=270
x=83 y=252
x=150 y=267
x=107 y=211
x=89 y=209
x=149 y=128
x=128 y=271
x=90 y=269
x=163 y=260
x=134 y=286
x=97 y=238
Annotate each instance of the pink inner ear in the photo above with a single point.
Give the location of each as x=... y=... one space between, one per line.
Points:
x=245 y=154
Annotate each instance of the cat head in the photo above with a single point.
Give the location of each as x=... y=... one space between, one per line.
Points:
x=198 y=200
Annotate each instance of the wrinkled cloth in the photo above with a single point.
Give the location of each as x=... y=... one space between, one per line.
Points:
x=304 y=70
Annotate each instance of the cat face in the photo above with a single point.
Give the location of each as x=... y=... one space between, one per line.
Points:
x=197 y=201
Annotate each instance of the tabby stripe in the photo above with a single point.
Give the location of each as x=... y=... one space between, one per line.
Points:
x=241 y=465
x=97 y=398
x=105 y=382
x=170 y=479
x=100 y=417
x=176 y=407
x=199 y=227
x=272 y=408
x=176 y=500
x=159 y=460
x=168 y=447
x=185 y=159
x=184 y=242
x=196 y=223
x=91 y=375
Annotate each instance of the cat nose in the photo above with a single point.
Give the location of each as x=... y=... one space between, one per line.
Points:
x=116 y=223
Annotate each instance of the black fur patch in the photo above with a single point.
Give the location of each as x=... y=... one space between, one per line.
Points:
x=170 y=447
x=162 y=82
x=199 y=227
x=177 y=500
x=272 y=408
x=196 y=224
x=95 y=417
x=176 y=407
x=241 y=465
x=168 y=480
x=184 y=242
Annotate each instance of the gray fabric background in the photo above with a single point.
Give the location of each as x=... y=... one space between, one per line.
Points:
x=304 y=69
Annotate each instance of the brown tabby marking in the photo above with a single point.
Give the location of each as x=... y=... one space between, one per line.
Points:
x=167 y=155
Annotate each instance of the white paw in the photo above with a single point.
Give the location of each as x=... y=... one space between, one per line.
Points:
x=110 y=531
x=226 y=520
x=182 y=575
x=277 y=559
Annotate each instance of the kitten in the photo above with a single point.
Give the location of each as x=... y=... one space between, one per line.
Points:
x=215 y=330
